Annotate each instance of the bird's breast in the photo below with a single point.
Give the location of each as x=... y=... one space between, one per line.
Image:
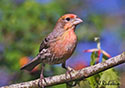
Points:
x=63 y=48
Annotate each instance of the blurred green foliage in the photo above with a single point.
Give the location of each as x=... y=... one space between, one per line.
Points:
x=22 y=25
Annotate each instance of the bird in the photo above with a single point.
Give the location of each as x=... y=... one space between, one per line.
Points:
x=59 y=45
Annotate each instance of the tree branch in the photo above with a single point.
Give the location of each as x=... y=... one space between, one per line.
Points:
x=76 y=75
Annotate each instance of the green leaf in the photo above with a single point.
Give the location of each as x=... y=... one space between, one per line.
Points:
x=109 y=78
x=92 y=82
x=93 y=58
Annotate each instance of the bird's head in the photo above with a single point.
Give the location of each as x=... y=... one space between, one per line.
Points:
x=68 y=21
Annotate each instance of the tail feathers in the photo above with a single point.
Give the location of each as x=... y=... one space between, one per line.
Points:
x=31 y=64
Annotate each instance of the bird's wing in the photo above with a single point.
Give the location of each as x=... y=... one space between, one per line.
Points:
x=52 y=37
x=46 y=42
x=43 y=45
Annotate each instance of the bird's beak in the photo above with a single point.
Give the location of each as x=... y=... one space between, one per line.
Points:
x=77 y=21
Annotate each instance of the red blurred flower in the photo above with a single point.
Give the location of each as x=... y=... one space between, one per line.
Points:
x=79 y=65
x=98 y=50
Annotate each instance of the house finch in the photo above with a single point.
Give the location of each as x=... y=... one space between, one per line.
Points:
x=59 y=45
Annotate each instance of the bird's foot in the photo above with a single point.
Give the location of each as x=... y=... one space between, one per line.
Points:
x=69 y=70
x=41 y=81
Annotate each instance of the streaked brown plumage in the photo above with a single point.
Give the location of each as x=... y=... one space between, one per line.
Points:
x=59 y=45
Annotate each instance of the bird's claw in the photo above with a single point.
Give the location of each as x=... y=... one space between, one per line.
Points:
x=40 y=82
x=69 y=70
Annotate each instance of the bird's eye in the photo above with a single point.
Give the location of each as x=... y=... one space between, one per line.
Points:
x=67 y=19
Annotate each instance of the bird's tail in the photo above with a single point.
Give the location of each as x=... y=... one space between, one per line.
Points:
x=31 y=64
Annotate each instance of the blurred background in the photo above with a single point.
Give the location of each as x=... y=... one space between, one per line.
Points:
x=24 y=24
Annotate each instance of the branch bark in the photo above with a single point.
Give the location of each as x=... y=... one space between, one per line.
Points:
x=76 y=75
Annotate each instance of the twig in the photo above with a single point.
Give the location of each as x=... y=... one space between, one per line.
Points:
x=76 y=75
